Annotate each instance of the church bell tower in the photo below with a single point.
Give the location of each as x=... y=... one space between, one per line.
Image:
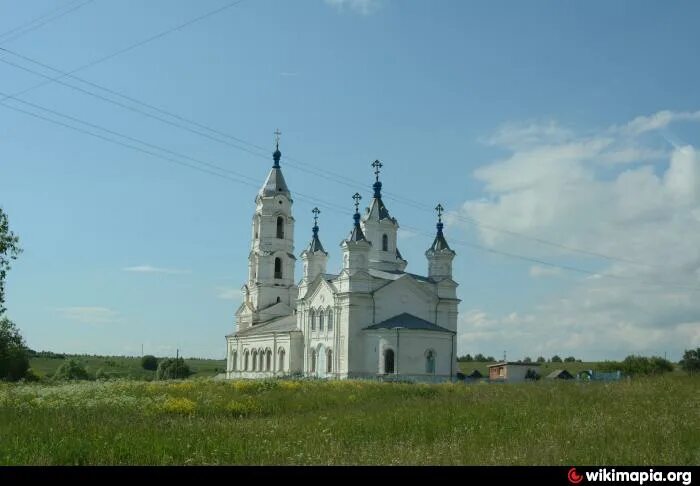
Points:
x=271 y=259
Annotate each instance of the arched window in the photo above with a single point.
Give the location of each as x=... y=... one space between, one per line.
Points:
x=280 y=227
x=313 y=361
x=254 y=360
x=278 y=267
x=320 y=320
x=330 y=320
x=261 y=355
x=313 y=320
x=329 y=361
x=280 y=360
x=235 y=360
x=430 y=362
x=268 y=359
x=389 y=361
x=245 y=361
x=385 y=243
x=278 y=300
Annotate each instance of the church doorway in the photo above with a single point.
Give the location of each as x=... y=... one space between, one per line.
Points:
x=388 y=361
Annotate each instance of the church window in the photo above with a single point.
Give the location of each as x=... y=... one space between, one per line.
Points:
x=268 y=358
x=329 y=361
x=245 y=361
x=385 y=243
x=280 y=360
x=254 y=360
x=261 y=355
x=280 y=227
x=235 y=359
x=330 y=320
x=430 y=362
x=389 y=361
x=313 y=320
x=313 y=361
x=320 y=320
x=278 y=300
x=278 y=268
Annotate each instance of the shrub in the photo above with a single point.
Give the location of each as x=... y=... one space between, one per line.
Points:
x=532 y=375
x=556 y=359
x=527 y=359
x=149 y=362
x=691 y=361
x=540 y=359
x=101 y=375
x=171 y=368
x=570 y=359
x=71 y=370
x=638 y=365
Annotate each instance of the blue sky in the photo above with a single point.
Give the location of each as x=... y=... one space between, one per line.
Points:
x=568 y=122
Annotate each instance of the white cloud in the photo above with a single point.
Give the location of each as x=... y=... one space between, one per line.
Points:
x=657 y=121
x=151 y=269
x=537 y=271
x=573 y=189
x=89 y=315
x=363 y=7
x=228 y=293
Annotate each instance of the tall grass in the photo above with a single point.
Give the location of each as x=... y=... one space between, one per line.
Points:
x=645 y=421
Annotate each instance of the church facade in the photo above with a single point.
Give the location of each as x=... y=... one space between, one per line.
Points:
x=371 y=319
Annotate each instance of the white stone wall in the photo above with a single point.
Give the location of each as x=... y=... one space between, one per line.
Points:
x=410 y=349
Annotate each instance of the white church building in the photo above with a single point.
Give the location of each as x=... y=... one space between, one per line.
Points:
x=371 y=319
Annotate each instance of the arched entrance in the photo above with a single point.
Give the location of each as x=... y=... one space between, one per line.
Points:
x=388 y=361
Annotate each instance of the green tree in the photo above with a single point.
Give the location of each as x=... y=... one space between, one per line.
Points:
x=171 y=368
x=540 y=359
x=691 y=361
x=9 y=250
x=149 y=362
x=570 y=359
x=527 y=360
x=556 y=359
x=14 y=356
x=71 y=369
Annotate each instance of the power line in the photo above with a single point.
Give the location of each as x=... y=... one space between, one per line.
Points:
x=219 y=171
x=40 y=21
x=293 y=162
x=137 y=44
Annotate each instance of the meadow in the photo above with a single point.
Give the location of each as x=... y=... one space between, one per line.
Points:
x=648 y=421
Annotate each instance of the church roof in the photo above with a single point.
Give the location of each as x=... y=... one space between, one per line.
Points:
x=379 y=208
x=278 y=324
x=274 y=184
x=440 y=243
x=316 y=245
x=407 y=321
x=395 y=274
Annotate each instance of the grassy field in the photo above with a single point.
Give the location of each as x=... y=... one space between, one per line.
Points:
x=648 y=421
x=123 y=366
